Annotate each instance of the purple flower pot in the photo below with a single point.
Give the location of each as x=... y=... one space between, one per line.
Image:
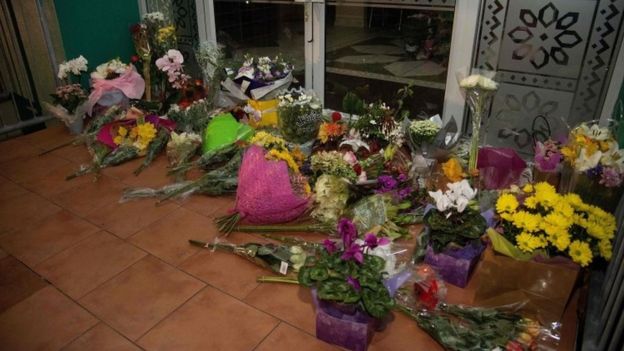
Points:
x=455 y=265
x=343 y=325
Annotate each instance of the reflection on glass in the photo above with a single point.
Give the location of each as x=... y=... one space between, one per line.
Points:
x=374 y=51
x=262 y=29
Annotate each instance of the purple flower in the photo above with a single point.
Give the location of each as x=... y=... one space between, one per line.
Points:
x=347 y=230
x=353 y=252
x=547 y=156
x=354 y=283
x=594 y=172
x=330 y=246
x=404 y=193
x=610 y=177
x=401 y=178
x=387 y=183
x=372 y=241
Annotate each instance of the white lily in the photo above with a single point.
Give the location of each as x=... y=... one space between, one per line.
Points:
x=596 y=132
x=585 y=162
x=442 y=201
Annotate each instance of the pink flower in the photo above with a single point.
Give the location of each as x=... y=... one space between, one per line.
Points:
x=355 y=284
x=353 y=253
x=372 y=241
x=547 y=156
x=330 y=246
x=610 y=177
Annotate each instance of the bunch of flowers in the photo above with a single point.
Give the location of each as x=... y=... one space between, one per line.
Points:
x=371 y=122
x=181 y=147
x=277 y=150
x=109 y=70
x=300 y=113
x=166 y=38
x=192 y=118
x=594 y=150
x=140 y=38
x=423 y=131
x=138 y=136
x=336 y=164
x=332 y=129
x=210 y=57
x=456 y=220
x=72 y=67
x=479 y=92
x=160 y=32
x=453 y=170
x=171 y=64
x=547 y=155
x=264 y=69
x=399 y=186
x=540 y=218
x=345 y=273
x=69 y=96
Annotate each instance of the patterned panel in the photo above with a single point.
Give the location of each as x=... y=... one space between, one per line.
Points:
x=428 y=3
x=185 y=20
x=555 y=53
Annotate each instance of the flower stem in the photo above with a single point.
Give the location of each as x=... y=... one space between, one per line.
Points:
x=274 y=279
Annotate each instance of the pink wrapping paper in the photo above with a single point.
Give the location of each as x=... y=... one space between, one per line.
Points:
x=130 y=83
x=499 y=167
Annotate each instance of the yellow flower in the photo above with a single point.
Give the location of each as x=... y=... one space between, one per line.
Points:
x=134 y=132
x=573 y=199
x=329 y=130
x=122 y=131
x=298 y=155
x=528 y=188
x=564 y=208
x=118 y=140
x=165 y=33
x=285 y=156
x=527 y=221
x=453 y=170
x=530 y=202
x=506 y=203
x=527 y=242
x=560 y=239
x=605 y=249
x=146 y=131
x=580 y=252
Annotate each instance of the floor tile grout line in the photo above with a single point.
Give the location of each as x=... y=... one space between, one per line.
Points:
x=79 y=336
x=172 y=312
x=267 y=335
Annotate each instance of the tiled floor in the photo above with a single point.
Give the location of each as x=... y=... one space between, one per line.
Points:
x=79 y=271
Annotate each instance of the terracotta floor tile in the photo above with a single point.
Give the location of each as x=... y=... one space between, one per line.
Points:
x=288 y=338
x=27 y=208
x=41 y=240
x=123 y=170
x=54 y=183
x=90 y=196
x=49 y=137
x=9 y=190
x=3 y=254
x=125 y=219
x=137 y=299
x=17 y=282
x=101 y=338
x=154 y=176
x=15 y=149
x=211 y=267
x=30 y=169
x=77 y=154
x=213 y=206
x=47 y=320
x=403 y=334
x=168 y=238
x=290 y=303
x=93 y=261
x=211 y=320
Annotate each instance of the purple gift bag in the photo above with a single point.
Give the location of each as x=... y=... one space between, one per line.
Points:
x=455 y=265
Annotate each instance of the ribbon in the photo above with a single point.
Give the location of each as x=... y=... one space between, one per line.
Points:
x=130 y=83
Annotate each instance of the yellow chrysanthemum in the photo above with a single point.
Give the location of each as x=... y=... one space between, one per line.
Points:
x=527 y=221
x=506 y=203
x=605 y=248
x=526 y=242
x=573 y=199
x=530 y=202
x=564 y=209
x=546 y=194
x=146 y=131
x=118 y=140
x=528 y=188
x=560 y=239
x=285 y=156
x=580 y=253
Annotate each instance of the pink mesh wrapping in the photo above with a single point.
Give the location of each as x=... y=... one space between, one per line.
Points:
x=264 y=194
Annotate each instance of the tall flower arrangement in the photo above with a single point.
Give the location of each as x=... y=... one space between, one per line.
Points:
x=479 y=92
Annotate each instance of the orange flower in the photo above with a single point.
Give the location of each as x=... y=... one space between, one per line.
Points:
x=330 y=130
x=453 y=170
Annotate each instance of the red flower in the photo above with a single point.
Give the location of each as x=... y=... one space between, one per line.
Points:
x=336 y=116
x=135 y=28
x=513 y=346
x=135 y=58
x=357 y=168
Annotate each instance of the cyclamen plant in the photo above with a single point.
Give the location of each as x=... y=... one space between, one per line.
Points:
x=347 y=273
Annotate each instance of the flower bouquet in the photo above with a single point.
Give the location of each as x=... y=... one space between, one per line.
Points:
x=453 y=229
x=113 y=83
x=182 y=147
x=68 y=99
x=421 y=134
x=594 y=166
x=349 y=285
x=210 y=57
x=479 y=92
x=299 y=115
x=547 y=162
x=332 y=130
x=270 y=187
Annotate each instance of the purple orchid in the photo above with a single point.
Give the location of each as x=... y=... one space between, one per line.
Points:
x=547 y=156
x=372 y=241
x=330 y=246
x=353 y=252
x=348 y=231
x=355 y=284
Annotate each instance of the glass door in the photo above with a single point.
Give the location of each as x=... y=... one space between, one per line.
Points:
x=374 y=49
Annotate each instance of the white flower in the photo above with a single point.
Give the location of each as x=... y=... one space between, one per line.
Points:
x=477 y=80
x=614 y=158
x=595 y=132
x=154 y=16
x=585 y=162
x=113 y=66
x=441 y=200
x=75 y=66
